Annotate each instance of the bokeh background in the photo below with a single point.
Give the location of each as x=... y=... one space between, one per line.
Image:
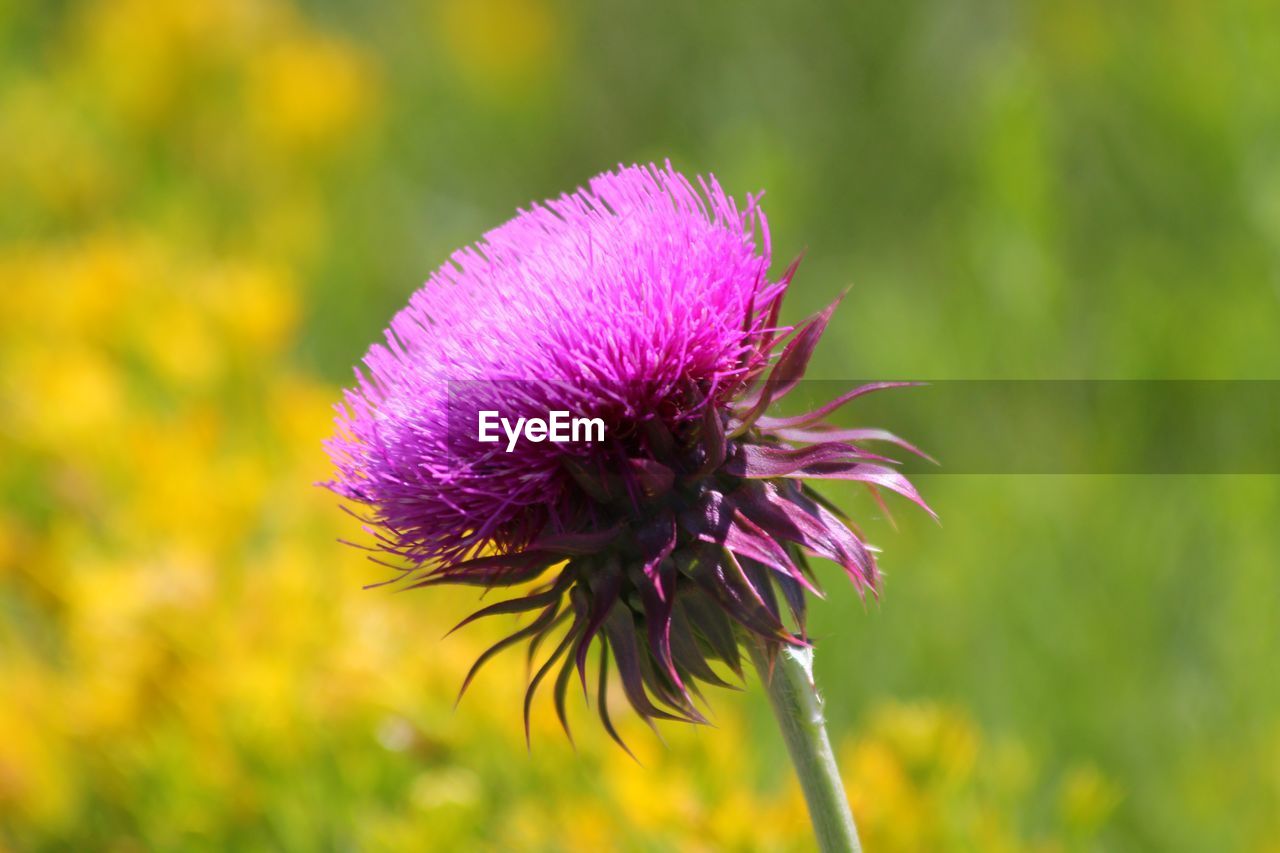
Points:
x=210 y=209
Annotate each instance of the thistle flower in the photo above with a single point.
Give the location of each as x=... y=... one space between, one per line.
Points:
x=643 y=301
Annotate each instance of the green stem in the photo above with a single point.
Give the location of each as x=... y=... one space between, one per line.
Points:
x=798 y=708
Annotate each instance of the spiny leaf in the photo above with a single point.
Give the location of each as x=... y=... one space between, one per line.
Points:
x=544 y=619
x=830 y=408
x=519 y=605
x=602 y=700
x=560 y=649
x=626 y=654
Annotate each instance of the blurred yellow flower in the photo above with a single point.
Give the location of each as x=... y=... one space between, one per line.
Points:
x=922 y=777
x=48 y=158
x=58 y=397
x=34 y=779
x=1087 y=798
x=498 y=46
x=10 y=541
x=145 y=56
x=256 y=306
x=308 y=90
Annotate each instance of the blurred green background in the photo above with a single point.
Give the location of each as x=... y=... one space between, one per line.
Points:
x=212 y=208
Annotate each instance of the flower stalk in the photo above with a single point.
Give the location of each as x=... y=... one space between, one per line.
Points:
x=788 y=679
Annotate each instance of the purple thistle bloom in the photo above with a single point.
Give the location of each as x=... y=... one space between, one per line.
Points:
x=642 y=301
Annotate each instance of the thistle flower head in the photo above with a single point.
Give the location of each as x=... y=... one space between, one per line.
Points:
x=642 y=301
